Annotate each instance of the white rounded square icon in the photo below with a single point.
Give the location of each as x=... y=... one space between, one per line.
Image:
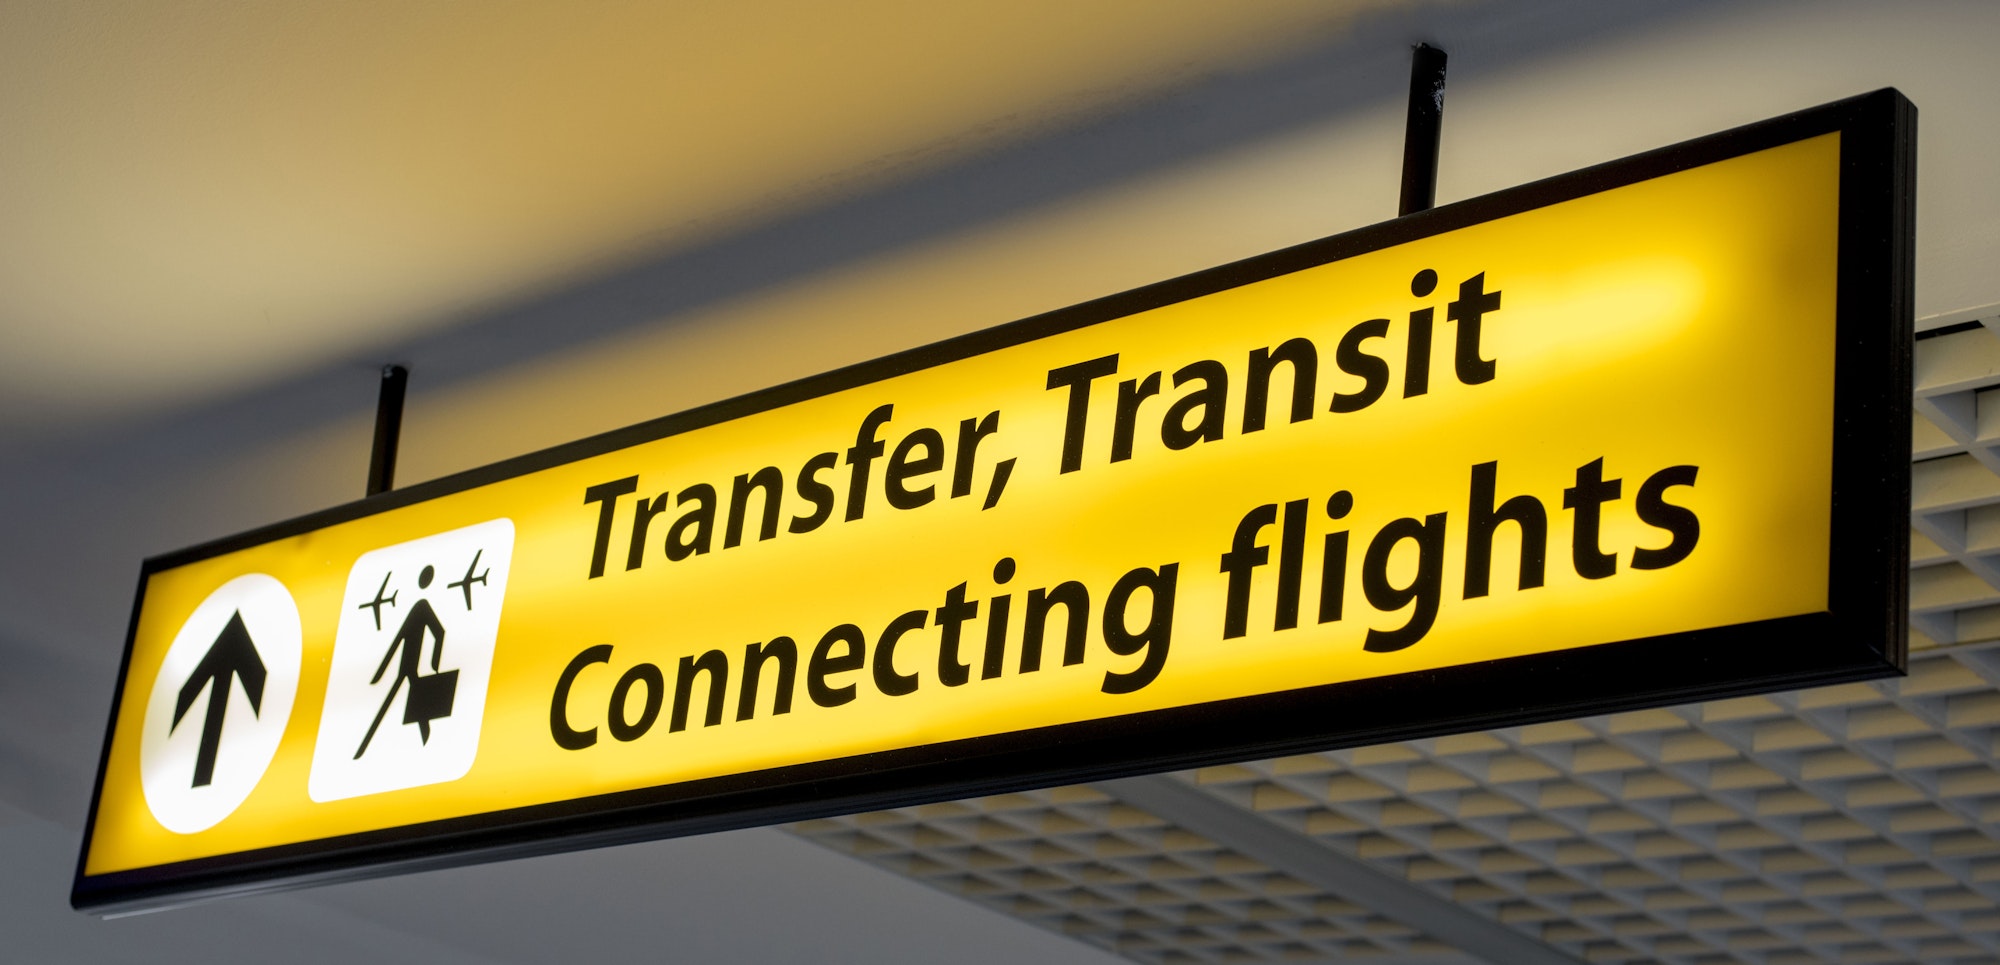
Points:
x=406 y=691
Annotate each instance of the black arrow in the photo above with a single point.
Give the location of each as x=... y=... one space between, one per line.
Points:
x=232 y=655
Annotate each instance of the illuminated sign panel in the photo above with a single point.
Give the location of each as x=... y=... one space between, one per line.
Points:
x=1633 y=435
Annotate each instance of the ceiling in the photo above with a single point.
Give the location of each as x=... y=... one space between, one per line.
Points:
x=216 y=219
x=205 y=195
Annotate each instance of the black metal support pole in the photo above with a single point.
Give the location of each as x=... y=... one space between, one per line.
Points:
x=388 y=428
x=1421 y=133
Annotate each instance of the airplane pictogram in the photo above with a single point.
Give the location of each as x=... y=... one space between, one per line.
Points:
x=375 y=605
x=466 y=583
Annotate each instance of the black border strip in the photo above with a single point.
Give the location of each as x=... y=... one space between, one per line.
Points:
x=1862 y=634
x=1942 y=331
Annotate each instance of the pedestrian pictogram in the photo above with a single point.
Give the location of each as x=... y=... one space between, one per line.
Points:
x=430 y=695
x=407 y=687
x=220 y=703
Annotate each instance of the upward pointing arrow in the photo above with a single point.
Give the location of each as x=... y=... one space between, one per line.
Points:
x=232 y=655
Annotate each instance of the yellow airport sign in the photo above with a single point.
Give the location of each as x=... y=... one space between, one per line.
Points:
x=1632 y=435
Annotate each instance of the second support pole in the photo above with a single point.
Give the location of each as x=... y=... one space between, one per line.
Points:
x=1422 y=132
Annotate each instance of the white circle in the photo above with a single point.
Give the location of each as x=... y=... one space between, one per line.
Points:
x=249 y=736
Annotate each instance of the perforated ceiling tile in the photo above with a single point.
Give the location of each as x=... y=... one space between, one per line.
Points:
x=1858 y=823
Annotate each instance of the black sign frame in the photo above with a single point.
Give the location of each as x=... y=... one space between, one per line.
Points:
x=1862 y=634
